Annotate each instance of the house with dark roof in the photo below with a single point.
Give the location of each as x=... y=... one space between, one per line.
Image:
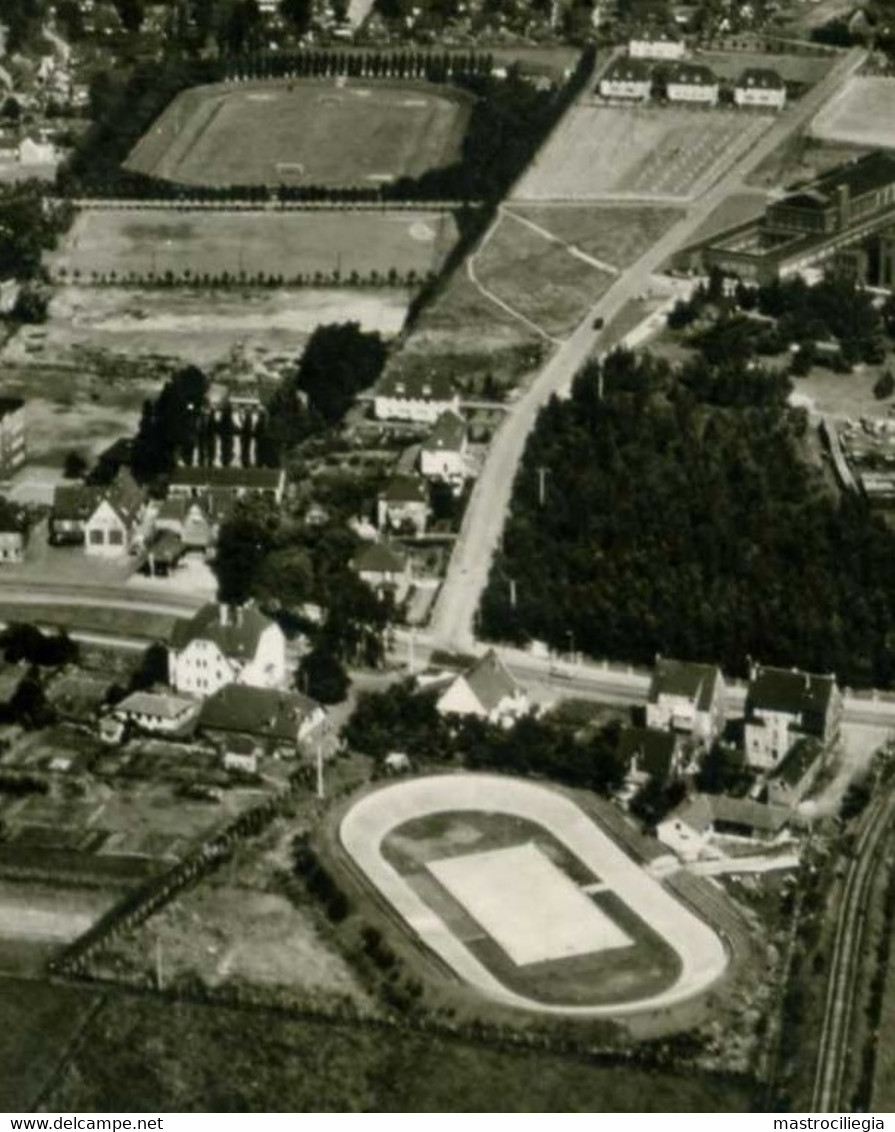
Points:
x=648 y=754
x=113 y=526
x=486 y=690
x=786 y=705
x=276 y=722
x=223 y=644
x=628 y=79
x=761 y=87
x=13 y=531
x=403 y=505
x=691 y=828
x=189 y=519
x=235 y=483
x=73 y=504
x=443 y=454
x=795 y=775
x=693 y=83
x=688 y=698
x=384 y=567
x=415 y=397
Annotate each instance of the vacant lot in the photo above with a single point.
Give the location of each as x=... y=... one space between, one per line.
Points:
x=133 y=1061
x=616 y=234
x=539 y=277
x=862 y=113
x=303 y=133
x=805 y=69
x=39 y=1021
x=190 y=245
x=236 y=329
x=600 y=151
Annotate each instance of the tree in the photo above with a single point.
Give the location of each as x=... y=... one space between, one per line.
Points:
x=131 y=14
x=339 y=361
x=12 y=109
x=29 y=703
x=245 y=540
x=298 y=14
x=884 y=386
x=75 y=466
x=322 y=677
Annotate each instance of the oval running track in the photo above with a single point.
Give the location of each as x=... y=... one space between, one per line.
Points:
x=364 y=827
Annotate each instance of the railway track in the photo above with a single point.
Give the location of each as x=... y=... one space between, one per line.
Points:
x=834 y=1045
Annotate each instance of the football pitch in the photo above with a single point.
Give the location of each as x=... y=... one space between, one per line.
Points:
x=307 y=132
x=527 y=899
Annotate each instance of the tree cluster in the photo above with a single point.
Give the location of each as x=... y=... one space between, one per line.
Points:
x=679 y=526
x=21 y=642
x=28 y=228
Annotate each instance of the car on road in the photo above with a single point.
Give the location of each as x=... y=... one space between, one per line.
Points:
x=599 y=323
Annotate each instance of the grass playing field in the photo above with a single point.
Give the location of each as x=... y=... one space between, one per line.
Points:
x=863 y=113
x=652 y=151
x=306 y=132
x=287 y=244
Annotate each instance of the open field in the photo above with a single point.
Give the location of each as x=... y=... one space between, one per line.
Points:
x=801 y=158
x=39 y=1023
x=538 y=277
x=474 y=924
x=736 y=209
x=807 y=69
x=862 y=113
x=92 y=619
x=617 y=234
x=207 y=328
x=304 y=132
x=652 y=151
x=188 y=245
x=132 y=1060
x=29 y=912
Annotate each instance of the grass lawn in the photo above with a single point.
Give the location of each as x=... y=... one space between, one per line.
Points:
x=617 y=235
x=538 y=277
x=305 y=132
x=96 y=619
x=133 y=1060
x=189 y=245
x=862 y=113
x=40 y=1022
x=806 y=69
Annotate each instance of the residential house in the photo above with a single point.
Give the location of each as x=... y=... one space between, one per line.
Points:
x=486 y=690
x=655 y=44
x=164 y=551
x=384 y=568
x=236 y=483
x=784 y=706
x=189 y=519
x=416 y=397
x=13 y=448
x=442 y=455
x=73 y=504
x=693 y=83
x=404 y=505
x=13 y=532
x=35 y=152
x=793 y=778
x=690 y=829
x=648 y=754
x=113 y=527
x=158 y=713
x=224 y=644
x=688 y=698
x=760 y=87
x=275 y=722
x=628 y=79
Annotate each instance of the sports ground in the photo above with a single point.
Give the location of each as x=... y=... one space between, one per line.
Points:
x=527 y=899
x=863 y=113
x=188 y=245
x=337 y=133
x=644 y=152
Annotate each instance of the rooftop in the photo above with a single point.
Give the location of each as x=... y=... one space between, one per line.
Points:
x=405 y=489
x=448 y=435
x=235 y=630
x=490 y=682
x=864 y=175
x=263 y=712
x=703 y=810
x=628 y=70
x=760 y=78
x=380 y=558
x=161 y=705
x=695 y=682
x=693 y=74
x=798 y=762
x=417 y=387
x=790 y=692
x=269 y=478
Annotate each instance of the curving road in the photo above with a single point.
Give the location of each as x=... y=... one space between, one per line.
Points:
x=702 y=954
x=453 y=616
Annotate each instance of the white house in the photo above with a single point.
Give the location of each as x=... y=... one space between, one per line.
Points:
x=690 y=829
x=32 y=152
x=628 y=79
x=693 y=83
x=113 y=526
x=443 y=452
x=225 y=644
x=486 y=690
x=162 y=713
x=403 y=505
x=688 y=698
x=657 y=45
x=761 y=87
x=415 y=398
x=237 y=483
x=784 y=706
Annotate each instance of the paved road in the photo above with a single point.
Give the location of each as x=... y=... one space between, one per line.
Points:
x=454 y=612
x=14 y=591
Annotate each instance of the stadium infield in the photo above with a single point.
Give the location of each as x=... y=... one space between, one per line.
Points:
x=436 y=849
x=304 y=132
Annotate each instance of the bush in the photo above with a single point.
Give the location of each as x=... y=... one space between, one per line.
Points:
x=884 y=386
